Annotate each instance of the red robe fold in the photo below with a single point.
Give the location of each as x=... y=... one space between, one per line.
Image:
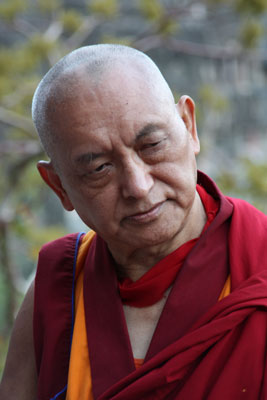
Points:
x=223 y=356
x=201 y=349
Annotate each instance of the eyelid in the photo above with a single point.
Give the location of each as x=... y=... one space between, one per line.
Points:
x=152 y=143
x=106 y=166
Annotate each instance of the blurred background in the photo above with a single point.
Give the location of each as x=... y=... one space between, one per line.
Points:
x=213 y=50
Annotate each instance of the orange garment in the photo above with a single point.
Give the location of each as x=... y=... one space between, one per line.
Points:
x=138 y=362
x=79 y=378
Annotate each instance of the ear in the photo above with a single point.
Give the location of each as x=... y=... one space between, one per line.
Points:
x=186 y=109
x=52 y=179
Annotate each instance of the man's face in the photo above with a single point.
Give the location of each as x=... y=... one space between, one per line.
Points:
x=127 y=163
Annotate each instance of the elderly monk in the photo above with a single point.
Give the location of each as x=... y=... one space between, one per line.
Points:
x=166 y=296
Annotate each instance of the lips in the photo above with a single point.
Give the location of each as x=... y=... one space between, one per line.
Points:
x=146 y=216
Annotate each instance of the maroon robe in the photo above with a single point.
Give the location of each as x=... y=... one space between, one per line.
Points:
x=201 y=349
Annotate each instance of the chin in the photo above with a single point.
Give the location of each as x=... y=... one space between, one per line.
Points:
x=148 y=239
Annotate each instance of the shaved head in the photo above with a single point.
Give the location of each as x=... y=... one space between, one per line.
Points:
x=123 y=154
x=96 y=64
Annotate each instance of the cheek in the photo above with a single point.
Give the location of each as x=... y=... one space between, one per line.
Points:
x=177 y=171
x=96 y=208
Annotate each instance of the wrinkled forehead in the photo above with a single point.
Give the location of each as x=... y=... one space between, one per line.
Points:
x=113 y=92
x=121 y=101
x=129 y=75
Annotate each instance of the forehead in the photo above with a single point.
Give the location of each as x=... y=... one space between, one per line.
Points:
x=120 y=104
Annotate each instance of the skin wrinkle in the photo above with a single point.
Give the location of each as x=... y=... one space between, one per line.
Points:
x=94 y=61
x=97 y=100
x=108 y=121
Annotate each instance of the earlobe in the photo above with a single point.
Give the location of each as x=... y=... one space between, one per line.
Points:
x=186 y=109
x=52 y=179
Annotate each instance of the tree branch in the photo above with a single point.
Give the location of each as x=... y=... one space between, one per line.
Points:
x=86 y=28
x=211 y=51
x=18 y=121
x=5 y=265
x=197 y=49
x=20 y=147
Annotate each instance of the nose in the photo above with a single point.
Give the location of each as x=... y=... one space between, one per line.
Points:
x=136 y=179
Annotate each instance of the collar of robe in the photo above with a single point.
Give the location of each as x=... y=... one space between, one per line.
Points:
x=151 y=287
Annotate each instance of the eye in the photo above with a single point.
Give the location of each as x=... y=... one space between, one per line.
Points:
x=101 y=168
x=153 y=146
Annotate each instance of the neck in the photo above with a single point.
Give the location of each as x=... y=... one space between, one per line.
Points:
x=134 y=263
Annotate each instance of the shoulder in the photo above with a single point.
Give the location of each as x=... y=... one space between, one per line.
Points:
x=63 y=244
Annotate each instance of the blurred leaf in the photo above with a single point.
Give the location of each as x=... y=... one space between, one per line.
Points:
x=151 y=9
x=5 y=61
x=117 y=40
x=38 y=237
x=71 y=20
x=3 y=347
x=255 y=7
x=209 y=96
x=168 y=26
x=251 y=33
x=226 y=182
x=39 y=46
x=49 y=6
x=251 y=185
x=107 y=8
x=257 y=177
x=10 y=8
x=217 y=2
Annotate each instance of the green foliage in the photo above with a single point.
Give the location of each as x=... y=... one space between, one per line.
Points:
x=251 y=186
x=208 y=96
x=106 y=8
x=3 y=351
x=38 y=48
x=3 y=304
x=126 y=41
x=154 y=11
x=227 y=182
x=5 y=61
x=71 y=20
x=256 y=178
x=249 y=7
x=22 y=60
x=49 y=6
x=217 y=2
x=9 y=9
x=251 y=33
x=151 y=9
x=168 y=26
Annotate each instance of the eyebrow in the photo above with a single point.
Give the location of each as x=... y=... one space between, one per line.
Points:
x=87 y=158
x=147 y=130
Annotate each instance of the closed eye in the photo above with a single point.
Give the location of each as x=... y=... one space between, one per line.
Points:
x=103 y=168
x=154 y=144
x=100 y=168
x=157 y=145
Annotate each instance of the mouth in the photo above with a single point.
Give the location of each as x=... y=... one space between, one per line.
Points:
x=146 y=216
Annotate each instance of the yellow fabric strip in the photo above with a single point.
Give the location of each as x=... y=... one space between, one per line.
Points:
x=79 y=379
x=226 y=289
